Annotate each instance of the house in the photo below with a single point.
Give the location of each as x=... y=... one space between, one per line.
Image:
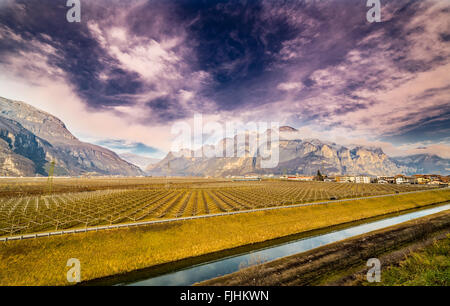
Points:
x=422 y=179
x=431 y=179
x=388 y=179
x=363 y=180
x=401 y=179
x=436 y=183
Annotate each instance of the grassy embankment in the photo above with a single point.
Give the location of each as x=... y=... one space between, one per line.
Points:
x=429 y=267
x=43 y=261
x=342 y=263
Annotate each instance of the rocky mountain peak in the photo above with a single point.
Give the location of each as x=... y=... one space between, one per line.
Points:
x=40 y=123
x=295 y=156
x=375 y=150
x=31 y=139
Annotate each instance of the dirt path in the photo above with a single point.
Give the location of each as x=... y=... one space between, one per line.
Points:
x=343 y=263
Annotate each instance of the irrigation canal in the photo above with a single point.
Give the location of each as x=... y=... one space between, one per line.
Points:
x=207 y=270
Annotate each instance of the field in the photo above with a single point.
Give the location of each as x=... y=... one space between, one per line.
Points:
x=33 y=205
x=104 y=253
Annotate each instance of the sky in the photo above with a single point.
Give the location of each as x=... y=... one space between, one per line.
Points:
x=132 y=69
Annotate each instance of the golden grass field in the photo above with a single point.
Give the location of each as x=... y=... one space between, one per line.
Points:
x=43 y=261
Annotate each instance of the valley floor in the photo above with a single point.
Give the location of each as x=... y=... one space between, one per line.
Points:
x=102 y=254
x=31 y=206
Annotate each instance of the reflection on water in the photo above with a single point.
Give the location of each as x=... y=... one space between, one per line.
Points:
x=212 y=269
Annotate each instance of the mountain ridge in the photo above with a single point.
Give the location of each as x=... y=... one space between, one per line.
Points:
x=142 y=162
x=31 y=138
x=305 y=156
x=48 y=134
x=425 y=163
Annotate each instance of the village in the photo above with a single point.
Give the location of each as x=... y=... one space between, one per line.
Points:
x=419 y=179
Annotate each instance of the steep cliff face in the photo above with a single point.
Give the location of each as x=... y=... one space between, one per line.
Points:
x=21 y=151
x=308 y=156
x=41 y=138
x=39 y=123
x=12 y=164
x=296 y=156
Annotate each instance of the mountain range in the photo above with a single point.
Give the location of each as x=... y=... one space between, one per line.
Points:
x=31 y=139
x=299 y=156
x=424 y=163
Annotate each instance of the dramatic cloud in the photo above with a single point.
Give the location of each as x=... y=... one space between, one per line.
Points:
x=133 y=68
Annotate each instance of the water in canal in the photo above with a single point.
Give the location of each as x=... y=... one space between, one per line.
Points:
x=208 y=270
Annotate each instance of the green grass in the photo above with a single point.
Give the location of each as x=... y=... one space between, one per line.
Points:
x=430 y=267
x=43 y=261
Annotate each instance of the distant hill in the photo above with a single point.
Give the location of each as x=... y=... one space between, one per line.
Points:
x=303 y=156
x=424 y=163
x=138 y=160
x=31 y=139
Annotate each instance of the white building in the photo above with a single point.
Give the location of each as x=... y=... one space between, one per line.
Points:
x=405 y=180
x=363 y=180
